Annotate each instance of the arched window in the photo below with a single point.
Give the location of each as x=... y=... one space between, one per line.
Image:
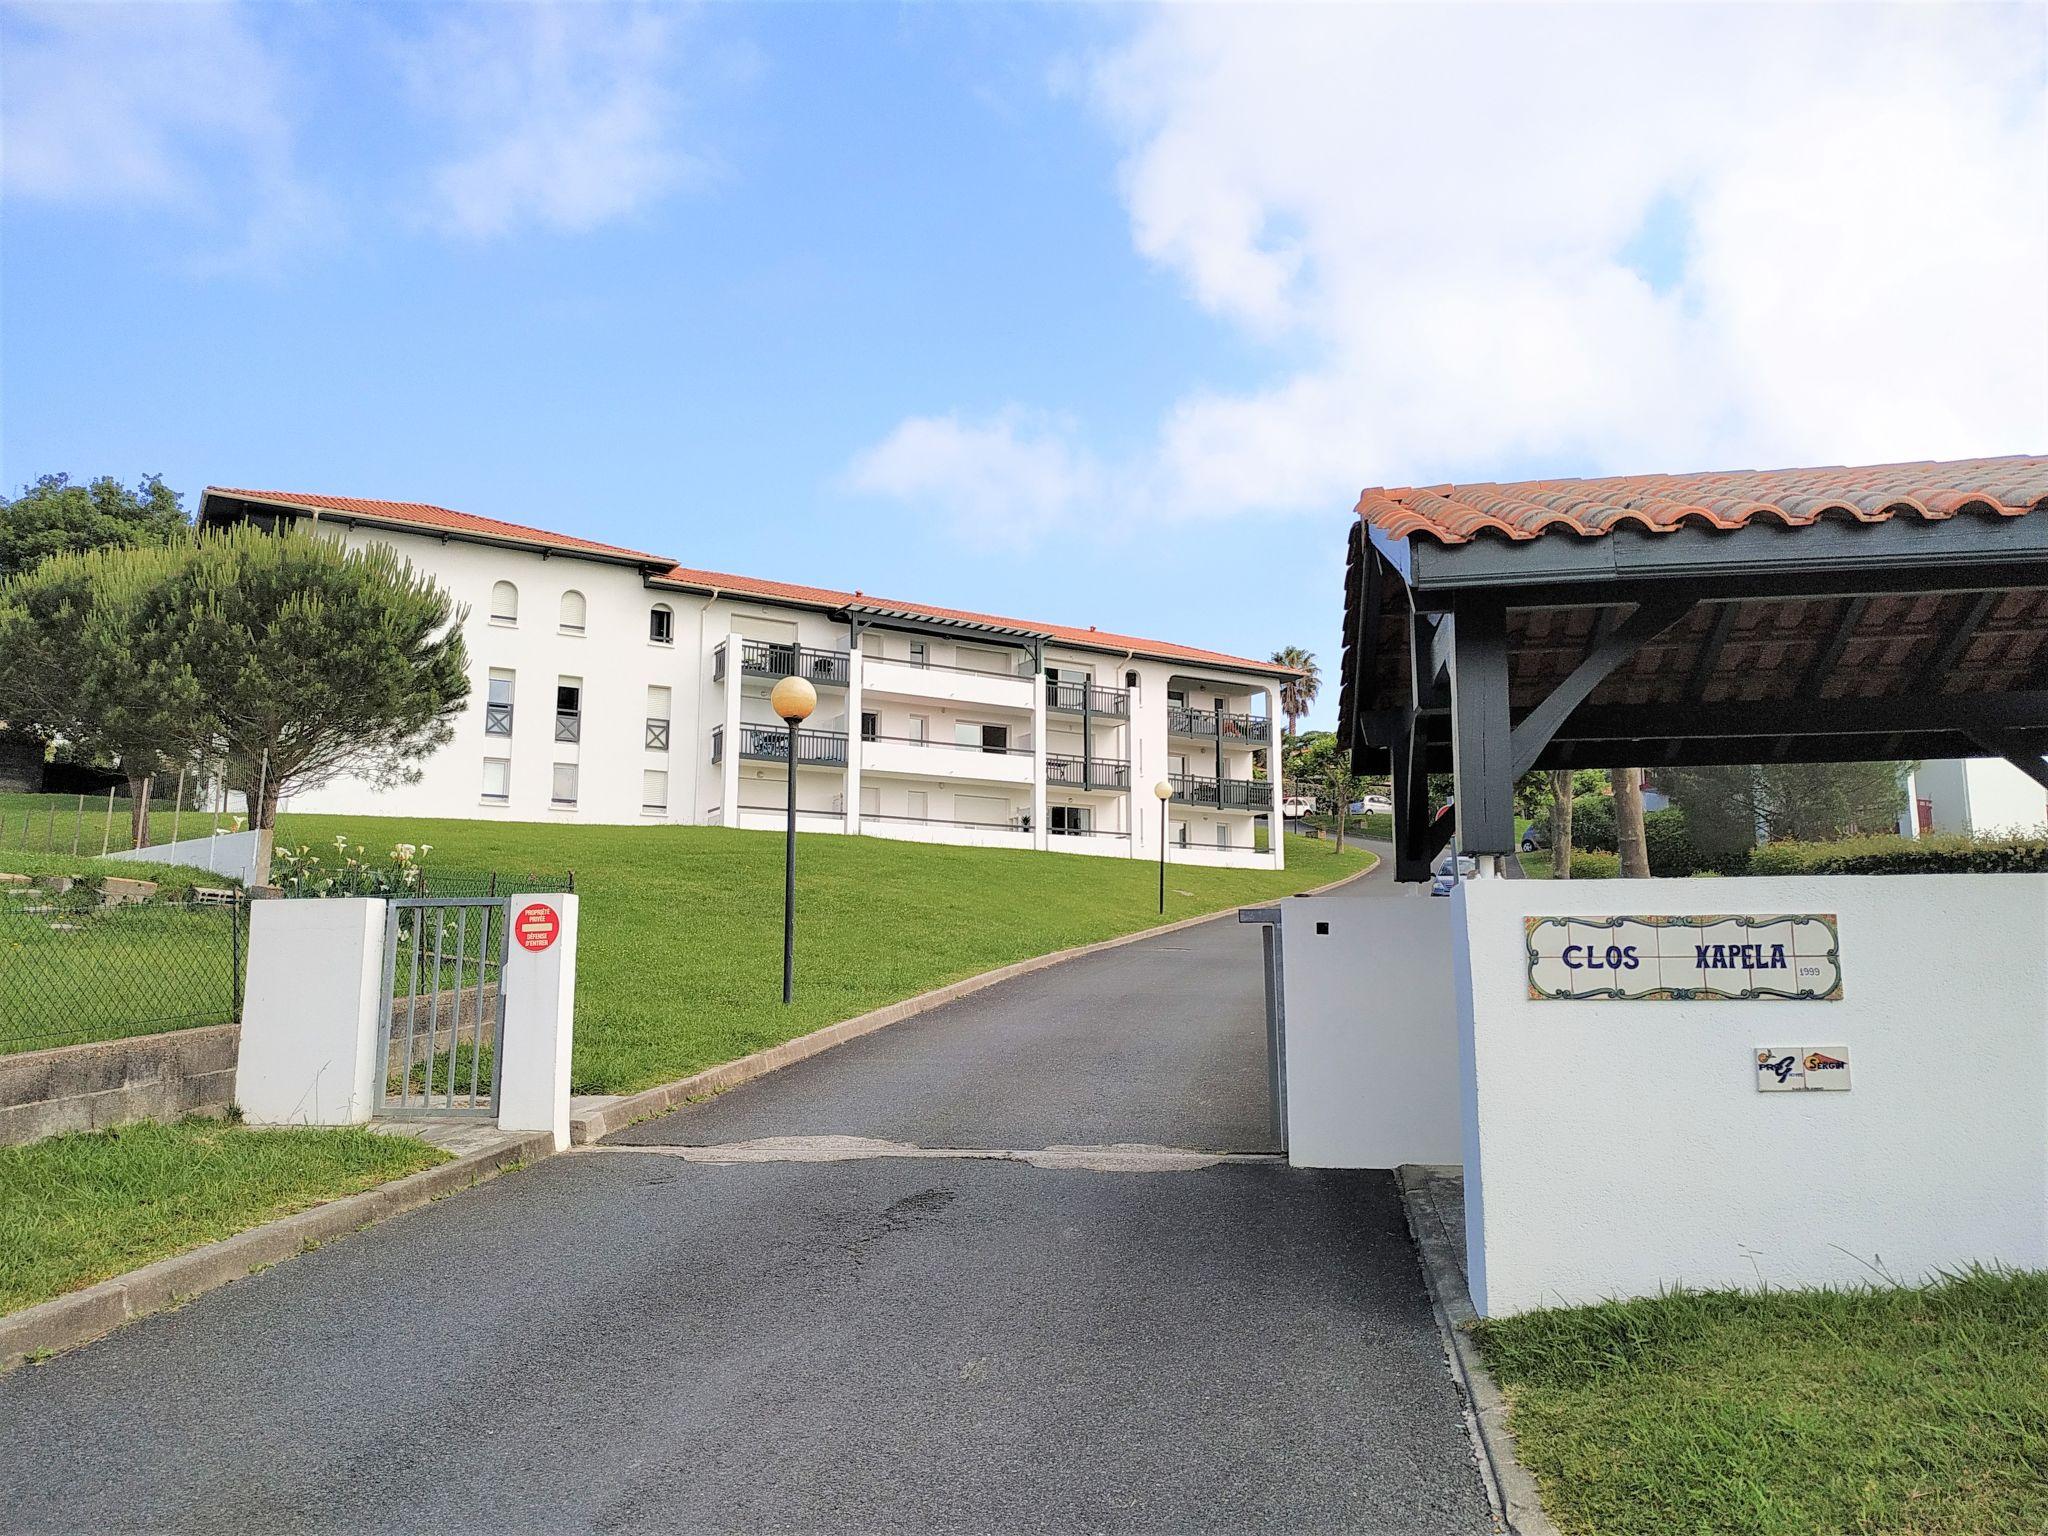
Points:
x=504 y=603
x=661 y=624
x=573 y=611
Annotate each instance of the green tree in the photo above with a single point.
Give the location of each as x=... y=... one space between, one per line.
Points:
x=1297 y=693
x=312 y=661
x=54 y=517
x=1321 y=766
x=1561 y=787
x=1728 y=808
x=81 y=668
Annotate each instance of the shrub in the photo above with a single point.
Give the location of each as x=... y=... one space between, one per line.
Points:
x=1593 y=823
x=1595 y=865
x=349 y=870
x=1894 y=855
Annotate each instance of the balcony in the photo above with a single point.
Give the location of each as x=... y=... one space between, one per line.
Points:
x=1088 y=772
x=972 y=687
x=770 y=658
x=1223 y=794
x=937 y=758
x=1213 y=724
x=770 y=744
x=1075 y=697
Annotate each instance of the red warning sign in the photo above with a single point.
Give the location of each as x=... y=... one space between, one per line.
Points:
x=537 y=927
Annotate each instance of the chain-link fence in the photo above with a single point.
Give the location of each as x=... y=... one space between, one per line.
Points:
x=455 y=882
x=72 y=971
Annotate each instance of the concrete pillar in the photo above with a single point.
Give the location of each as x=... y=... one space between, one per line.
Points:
x=729 y=770
x=311 y=1016
x=853 y=739
x=1276 y=819
x=1040 y=835
x=539 y=988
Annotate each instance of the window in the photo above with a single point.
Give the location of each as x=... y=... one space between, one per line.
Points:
x=1177 y=696
x=987 y=738
x=974 y=658
x=657 y=718
x=564 y=791
x=1131 y=680
x=919 y=803
x=574 y=611
x=919 y=728
x=870 y=725
x=1223 y=835
x=1180 y=834
x=498 y=704
x=1069 y=818
x=654 y=791
x=569 y=709
x=920 y=654
x=504 y=603
x=497 y=779
x=661 y=624
x=870 y=800
x=981 y=810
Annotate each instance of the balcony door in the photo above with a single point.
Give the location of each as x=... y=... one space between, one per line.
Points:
x=988 y=738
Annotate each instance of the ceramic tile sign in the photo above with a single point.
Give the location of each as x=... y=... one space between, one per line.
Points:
x=1721 y=958
x=1802 y=1069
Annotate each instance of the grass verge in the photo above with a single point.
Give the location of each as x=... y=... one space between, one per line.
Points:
x=76 y=1209
x=1920 y=1411
x=680 y=959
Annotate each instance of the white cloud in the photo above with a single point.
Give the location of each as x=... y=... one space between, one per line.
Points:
x=561 y=116
x=155 y=107
x=999 y=482
x=1439 y=209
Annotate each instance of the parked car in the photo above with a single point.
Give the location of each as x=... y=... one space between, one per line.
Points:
x=1534 y=837
x=1452 y=868
x=1373 y=805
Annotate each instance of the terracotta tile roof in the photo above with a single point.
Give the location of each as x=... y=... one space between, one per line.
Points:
x=1456 y=514
x=420 y=514
x=415 y=514
x=1090 y=638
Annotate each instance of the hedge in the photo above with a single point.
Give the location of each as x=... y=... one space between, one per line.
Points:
x=1894 y=855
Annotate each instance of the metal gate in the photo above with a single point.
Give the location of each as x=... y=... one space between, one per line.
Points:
x=444 y=1028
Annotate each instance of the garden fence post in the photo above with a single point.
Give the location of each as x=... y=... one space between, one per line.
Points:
x=107 y=833
x=77 y=822
x=50 y=832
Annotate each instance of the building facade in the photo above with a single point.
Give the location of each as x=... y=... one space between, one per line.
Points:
x=616 y=687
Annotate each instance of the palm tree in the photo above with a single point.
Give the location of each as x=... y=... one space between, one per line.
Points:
x=1298 y=692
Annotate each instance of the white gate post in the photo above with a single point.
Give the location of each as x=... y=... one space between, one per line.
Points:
x=539 y=983
x=311 y=1020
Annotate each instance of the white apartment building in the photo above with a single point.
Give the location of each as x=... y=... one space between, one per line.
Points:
x=616 y=687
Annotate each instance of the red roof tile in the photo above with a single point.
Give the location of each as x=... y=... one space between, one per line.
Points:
x=1455 y=514
x=422 y=515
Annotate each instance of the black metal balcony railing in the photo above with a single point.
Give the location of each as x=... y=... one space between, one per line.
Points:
x=1251 y=730
x=770 y=743
x=497 y=719
x=568 y=725
x=768 y=658
x=1088 y=772
x=657 y=734
x=1078 y=697
x=1223 y=794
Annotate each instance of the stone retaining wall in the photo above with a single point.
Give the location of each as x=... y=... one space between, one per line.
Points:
x=88 y=1087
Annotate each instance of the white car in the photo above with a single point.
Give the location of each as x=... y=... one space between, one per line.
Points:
x=1373 y=805
x=1452 y=868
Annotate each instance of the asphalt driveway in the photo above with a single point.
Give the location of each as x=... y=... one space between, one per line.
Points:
x=620 y=1339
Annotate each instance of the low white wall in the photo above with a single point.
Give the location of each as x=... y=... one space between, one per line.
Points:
x=1619 y=1148
x=229 y=853
x=540 y=1021
x=1372 y=1036
x=310 y=1012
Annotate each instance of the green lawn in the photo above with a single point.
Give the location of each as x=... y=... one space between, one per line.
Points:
x=76 y=1209
x=1921 y=1411
x=680 y=966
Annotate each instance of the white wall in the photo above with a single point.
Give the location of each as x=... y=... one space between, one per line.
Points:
x=1617 y=1148
x=1982 y=795
x=311 y=1012
x=1372 y=1039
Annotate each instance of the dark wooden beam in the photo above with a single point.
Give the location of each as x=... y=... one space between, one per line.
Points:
x=1608 y=652
x=1904 y=715
x=1481 y=731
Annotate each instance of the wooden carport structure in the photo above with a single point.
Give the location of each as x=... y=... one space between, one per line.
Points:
x=1805 y=615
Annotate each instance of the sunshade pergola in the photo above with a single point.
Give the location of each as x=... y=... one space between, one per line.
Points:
x=1804 y=615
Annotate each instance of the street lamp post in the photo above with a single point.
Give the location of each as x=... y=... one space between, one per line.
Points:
x=793 y=700
x=1164 y=791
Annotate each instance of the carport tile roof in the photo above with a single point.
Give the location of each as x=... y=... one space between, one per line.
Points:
x=1875 y=493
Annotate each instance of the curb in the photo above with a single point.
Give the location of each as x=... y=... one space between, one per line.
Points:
x=1509 y=1488
x=594 y=1118
x=65 y=1322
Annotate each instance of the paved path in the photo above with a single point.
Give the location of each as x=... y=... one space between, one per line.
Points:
x=619 y=1339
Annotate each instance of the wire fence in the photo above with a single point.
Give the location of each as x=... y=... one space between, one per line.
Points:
x=73 y=971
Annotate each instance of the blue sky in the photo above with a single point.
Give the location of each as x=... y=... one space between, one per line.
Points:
x=1096 y=316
